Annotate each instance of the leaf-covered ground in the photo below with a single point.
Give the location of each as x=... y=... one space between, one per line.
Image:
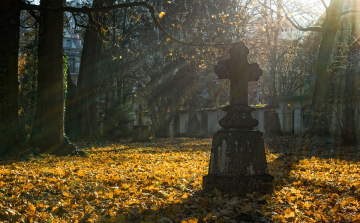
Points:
x=316 y=181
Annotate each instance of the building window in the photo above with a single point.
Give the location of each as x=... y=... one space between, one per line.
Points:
x=68 y=43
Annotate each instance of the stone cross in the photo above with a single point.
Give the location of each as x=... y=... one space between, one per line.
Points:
x=238 y=160
x=239 y=71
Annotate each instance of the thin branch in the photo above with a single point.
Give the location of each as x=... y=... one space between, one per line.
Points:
x=305 y=29
x=294 y=23
x=27 y=27
x=23 y=21
x=88 y=11
x=78 y=24
x=357 y=40
x=94 y=23
x=32 y=13
x=324 y=4
x=298 y=26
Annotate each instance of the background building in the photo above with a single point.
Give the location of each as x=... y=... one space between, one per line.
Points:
x=73 y=45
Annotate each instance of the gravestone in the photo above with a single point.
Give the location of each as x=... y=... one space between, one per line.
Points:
x=204 y=127
x=288 y=120
x=194 y=123
x=176 y=126
x=142 y=132
x=238 y=161
x=272 y=124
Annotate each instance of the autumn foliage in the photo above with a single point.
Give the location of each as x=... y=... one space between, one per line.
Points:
x=161 y=182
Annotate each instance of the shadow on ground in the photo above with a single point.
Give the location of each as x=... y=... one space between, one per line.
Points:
x=167 y=145
x=202 y=206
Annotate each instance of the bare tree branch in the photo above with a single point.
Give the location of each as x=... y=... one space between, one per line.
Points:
x=357 y=40
x=324 y=4
x=294 y=23
x=305 y=29
x=32 y=13
x=88 y=11
x=78 y=24
x=298 y=26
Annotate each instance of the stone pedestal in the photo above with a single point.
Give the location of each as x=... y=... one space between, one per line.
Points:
x=272 y=124
x=142 y=133
x=288 y=121
x=240 y=185
x=238 y=163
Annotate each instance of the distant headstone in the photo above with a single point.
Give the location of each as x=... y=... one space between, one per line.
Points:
x=140 y=121
x=288 y=120
x=204 y=128
x=272 y=124
x=194 y=123
x=142 y=133
x=177 y=125
x=238 y=161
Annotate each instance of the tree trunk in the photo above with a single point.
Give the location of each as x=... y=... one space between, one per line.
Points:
x=349 y=96
x=348 y=131
x=319 y=119
x=85 y=97
x=48 y=127
x=70 y=117
x=9 y=85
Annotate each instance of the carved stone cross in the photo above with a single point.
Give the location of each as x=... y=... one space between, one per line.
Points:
x=239 y=71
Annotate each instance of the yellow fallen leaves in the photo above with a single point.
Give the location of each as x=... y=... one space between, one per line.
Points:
x=314 y=189
x=161 y=182
x=289 y=214
x=104 y=186
x=161 y=14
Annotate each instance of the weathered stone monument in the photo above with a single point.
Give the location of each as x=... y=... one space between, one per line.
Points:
x=142 y=131
x=238 y=161
x=204 y=127
x=193 y=124
x=272 y=123
x=288 y=120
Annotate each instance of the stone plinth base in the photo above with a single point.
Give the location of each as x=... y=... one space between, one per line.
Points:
x=142 y=133
x=236 y=152
x=238 y=163
x=240 y=185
